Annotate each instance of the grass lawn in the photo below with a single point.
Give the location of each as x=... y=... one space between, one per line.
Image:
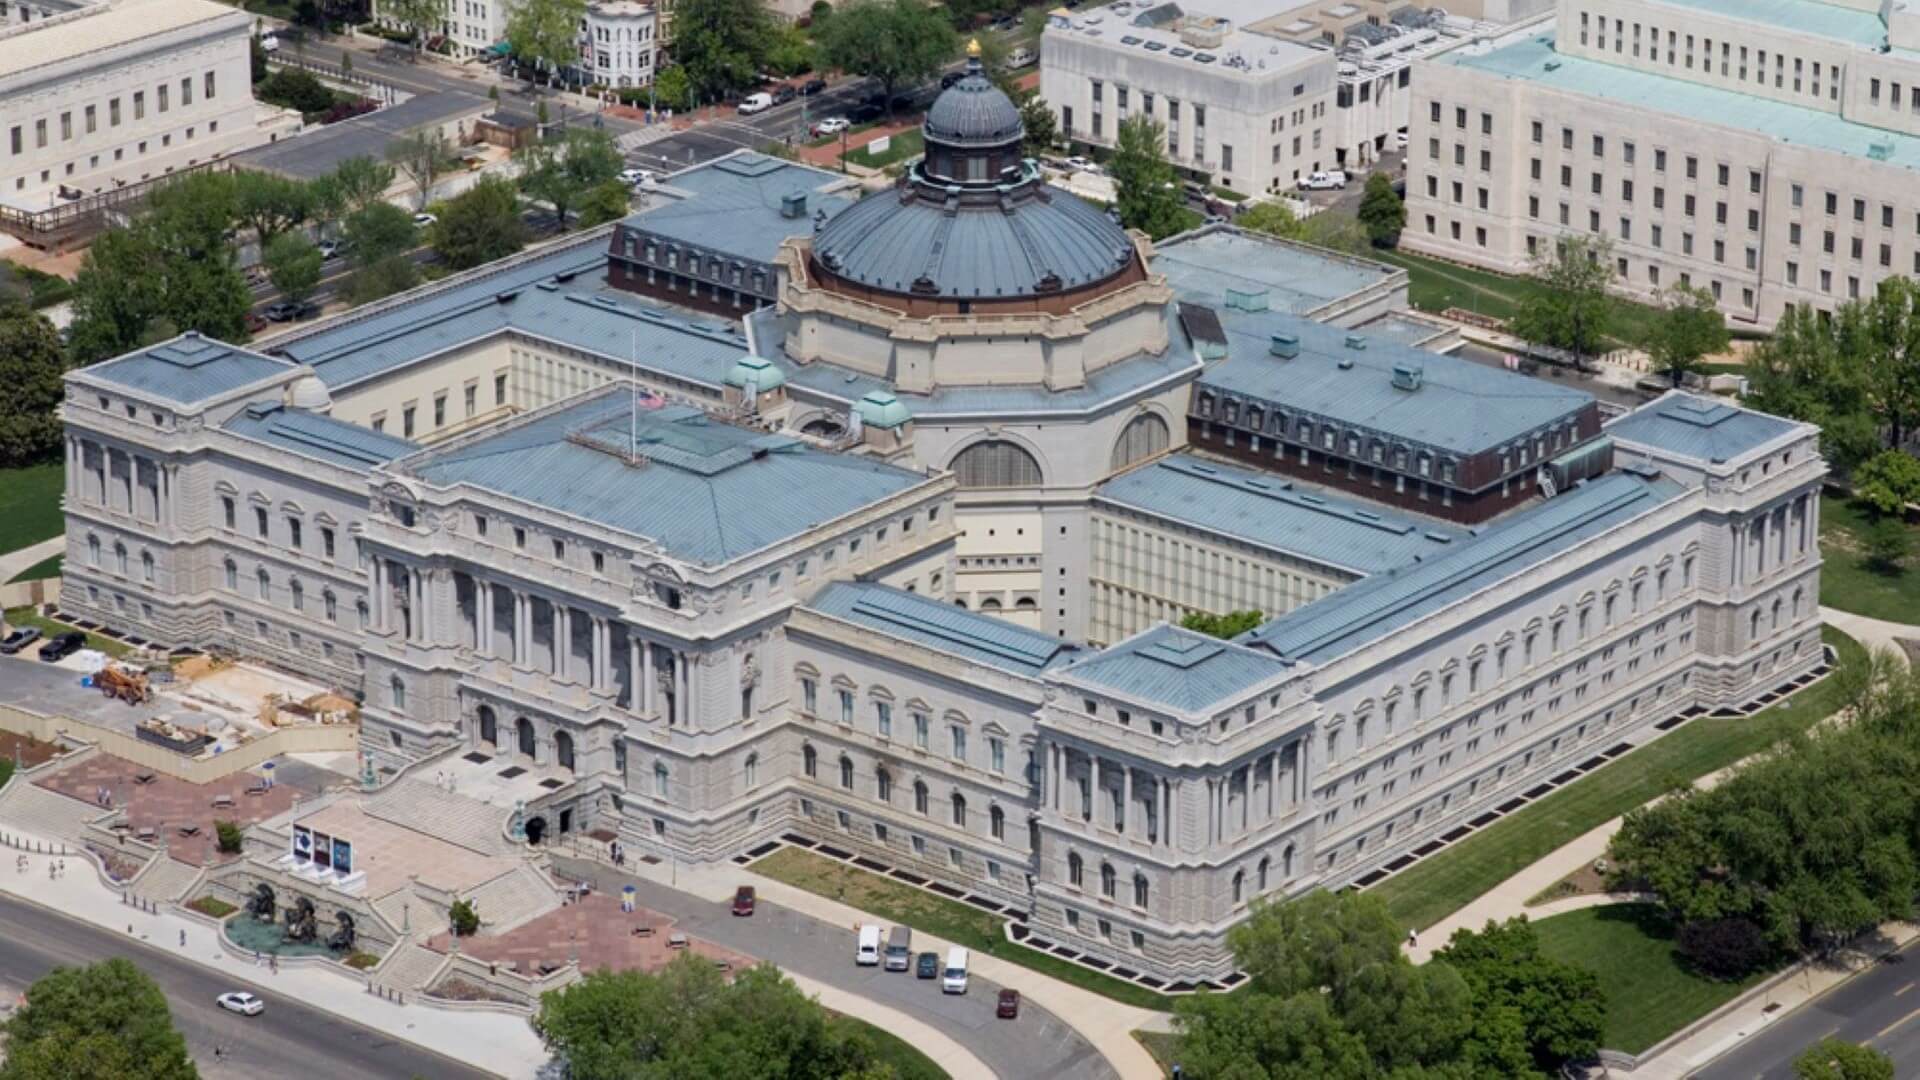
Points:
x=1650 y=992
x=1162 y=1045
x=1448 y=880
x=30 y=504
x=904 y=144
x=957 y=922
x=1847 y=581
x=28 y=617
x=1436 y=285
x=908 y=1063
x=45 y=568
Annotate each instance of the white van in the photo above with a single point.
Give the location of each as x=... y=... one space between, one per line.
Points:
x=1323 y=181
x=1021 y=57
x=900 y=948
x=868 y=952
x=756 y=103
x=954 y=979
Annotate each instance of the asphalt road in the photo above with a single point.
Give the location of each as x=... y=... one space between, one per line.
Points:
x=1038 y=1044
x=1879 y=1007
x=715 y=138
x=288 y=1040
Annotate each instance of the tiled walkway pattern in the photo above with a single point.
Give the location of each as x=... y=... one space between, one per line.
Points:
x=596 y=931
x=165 y=804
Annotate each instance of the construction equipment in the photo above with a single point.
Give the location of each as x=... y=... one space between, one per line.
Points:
x=129 y=686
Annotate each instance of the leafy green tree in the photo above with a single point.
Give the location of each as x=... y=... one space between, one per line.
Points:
x=719 y=46
x=1689 y=326
x=671 y=90
x=378 y=238
x=1039 y=129
x=479 y=225
x=1382 y=211
x=1272 y=217
x=31 y=366
x=1888 y=542
x=424 y=157
x=464 y=919
x=257 y=59
x=293 y=265
x=613 y=200
x=1569 y=306
x=546 y=32
x=382 y=278
x=230 y=837
x=1892 y=334
x=1335 y=231
x=1230 y=625
x=1810 y=369
x=420 y=18
x=106 y=1021
x=1888 y=481
x=790 y=51
x=352 y=186
x=1268 y=1037
x=295 y=89
x=898 y=42
x=1838 y=1059
x=269 y=204
x=1560 y=1008
x=1148 y=196
x=561 y=173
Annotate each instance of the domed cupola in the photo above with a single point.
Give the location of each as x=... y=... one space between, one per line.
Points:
x=973 y=130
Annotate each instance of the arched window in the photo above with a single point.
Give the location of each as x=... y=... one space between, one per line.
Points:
x=360 y=608
x=846 y=772
x=991 y=603
x=233 y=576
x=660 y=787
x=883 y=784
x=1261 y=881
x=919 y=797
x=809 y=760
x=1026 y=603
x=523 y=735
x=1075 y=868
x=120 y=558
x=332 y=605
x=752 y=770
x=1239 y=885
x=399 y=688
x=93 y=551
x=1108 y=880
x=996 y=463
x=563 y=749
x=1139 y=889
x=146 y=566
x=489 y=725
x=997 y=822
x=265 y=584
x=299 y=594
x=959 y=809
x=1286 y=863
x=1145 y=435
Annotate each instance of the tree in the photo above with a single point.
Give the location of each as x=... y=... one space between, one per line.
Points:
x=1272 y=217
x=1888 y=481
x=231 y=837
x=1382 y=212
x=546 y=32
x=1560 y=1009
x=378 y=238
x=1568 y=307
x=898 y=42
x=719 y=46
x=1039 y=129
x=1887 y=543
x=1729 y=948
x=613 y=200
x=1688 y=326
x=1892 y=333
x=31 y=366
x=1838 y=1059
x=561 y=173
x=671 y=90
x=789 y=51
x=293 y=265
x=464 y=919
x=1811 y=369
x=419 y=18
x=295 y=89
x=1148 y=196
x=270 y=204
x=359 y=182
x=479 y=225
x=1230 y=625
x=381 y=279
x=424 y=156
x=101 y=1022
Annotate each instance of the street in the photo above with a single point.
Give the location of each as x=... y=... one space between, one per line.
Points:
x=1037 y=1044
x=1879 y=1007
x=733 y=132
x=287 y=1040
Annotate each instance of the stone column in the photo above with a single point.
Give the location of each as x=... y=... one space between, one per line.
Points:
x=1273 y=788
x=1246 y=798
x=682 y=688
x=1126 y=796
x=1056 y=772
x=562 y=642
x=1095 y=796
x=522 y=630
x=1165 y=793
x=599 y=653
x=647 y=677
x=482 y=618
x=380 y=594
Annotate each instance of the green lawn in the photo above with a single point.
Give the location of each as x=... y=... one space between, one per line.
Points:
x=957 y=922
x=904 y=144
x=1650 y=993
x=45 y=568
x=1163 y=1045
x=1436 y=285
x=1448 y=880
x=30 y=504
x=48 y=627
x=890 y=1049
x=1847 y=582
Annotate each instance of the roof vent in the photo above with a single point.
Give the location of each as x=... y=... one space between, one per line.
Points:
x=1356 y=342
x=1407 y=376
x=1346 y=363
x=1286 y=346
x=1247 y=299
x=1552 y=65
x=793 y=204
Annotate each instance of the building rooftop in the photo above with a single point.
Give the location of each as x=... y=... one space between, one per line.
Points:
x=1696 y=427
x=98 y=27
x=1374 y=607
x=1535 y=60
x=1811 y=17
x=1203 y=265
x=936 y=624
x=736 y=204
x=1177 y=669
x=319 y=150
x=1273 y=513
x=1154 y=31
x=1350 y=377
x=188 y=369
x=706 y=491
x=316 y=436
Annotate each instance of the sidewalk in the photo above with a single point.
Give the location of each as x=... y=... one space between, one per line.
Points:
x=15 y=561
x=496 y=1042
x=957 y=1060
x=1875 y=634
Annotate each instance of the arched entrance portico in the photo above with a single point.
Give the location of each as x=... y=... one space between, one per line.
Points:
x=523 y=730
x=489 y=727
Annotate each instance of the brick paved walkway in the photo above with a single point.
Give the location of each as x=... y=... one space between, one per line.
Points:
x=165 y=804
x=596 y=930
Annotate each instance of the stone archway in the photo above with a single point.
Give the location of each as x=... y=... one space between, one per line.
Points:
x=523 y=730
x=536 y=830
x=489 y=728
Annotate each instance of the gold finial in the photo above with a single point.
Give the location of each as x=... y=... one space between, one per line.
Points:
x=973 y=47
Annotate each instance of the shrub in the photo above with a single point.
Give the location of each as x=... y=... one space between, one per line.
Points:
x=465 y=920
x=231 y=838
x=213 y=906
x=1728 y=948
x=361 y=961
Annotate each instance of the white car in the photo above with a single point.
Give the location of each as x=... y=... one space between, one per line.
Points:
x=243 y=1003
x=1324 y=181
x=1399 y=140
x=635 y=177
x=424 y=219
x=756 y=103
x=1080 y=164
x=833 y=125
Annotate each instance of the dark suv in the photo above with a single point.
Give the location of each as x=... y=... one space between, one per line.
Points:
x=927 y=966
x=63 y=646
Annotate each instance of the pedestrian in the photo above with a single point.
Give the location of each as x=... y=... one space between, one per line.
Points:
x=256 y=958
x=183 y=937
x=1413 y=939
x=63 y=868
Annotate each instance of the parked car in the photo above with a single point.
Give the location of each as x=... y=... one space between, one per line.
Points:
x=332 y=248
x=1399 y=140
x=832 y=125
x=1081 y=164
x=812 y=87
x=1008 y=1007
x=255 y=322
x=755 y=103
x=784 y=95
x=284 y=311
x=867 y=950
x=19 y=639
x=1324 y=181
x=1021 y=57
x=424 y=219
x=633 y=177
x=927 y=966
x=953 y=980
x=899 y=948
x=242 y=1002
x=63 y=646
x=866 y=112
x=743 y=900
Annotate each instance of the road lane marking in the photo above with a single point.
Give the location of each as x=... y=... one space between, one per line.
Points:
x=1903 y=990
x=1882 y=1033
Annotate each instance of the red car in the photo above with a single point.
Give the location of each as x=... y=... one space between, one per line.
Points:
x=1009 y=1006
x=743 y=900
